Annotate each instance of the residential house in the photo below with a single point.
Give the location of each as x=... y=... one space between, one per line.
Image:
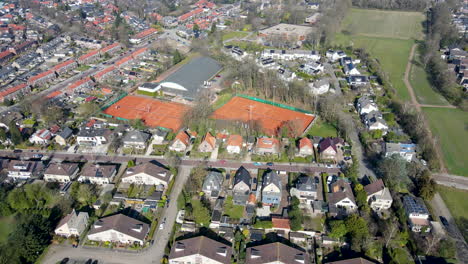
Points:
x=291 y=54
x=208 y=143
x=63 y=137
x=267 y=146
x=366 y=105
x=93 y=136
x=41 y=137
x=234 y=144
x=119 y=228
x=378 y=196
x=318 y=87
x=143 y=36
x=61 y=172
x=97 y=173
x=357 y=80
x=181 y=142
x=24 y=170
x=41 y=78
x=212 y=184
x=280 y=223
x=159 y=136
x=271 y=188
x=148 y=173
x=335 y=55
x=331 y=149
x=406 y=151
x=417 y=213
x=65 y=66
x=277 y=253
x=242 y=186
x=89 y=57
x=306 y=147
x=351 y=261
x=306 y=189
x=73 y=224
x=341 y=199
x=200 y=249
x=136 y=139
x=350 y=69
x=374 y=121
x=312 y=67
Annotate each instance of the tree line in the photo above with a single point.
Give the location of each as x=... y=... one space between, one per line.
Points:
x=414 y=5
x=441 y=33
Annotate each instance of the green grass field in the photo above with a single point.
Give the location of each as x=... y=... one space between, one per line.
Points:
x=453 y=199
x=382 y=23
x=425 y=94
x=392 y=54
x=6 y=227
x=234 y=34
x=449 y=126
x=322 y=129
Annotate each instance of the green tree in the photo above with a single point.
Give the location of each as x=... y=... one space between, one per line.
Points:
x=213 y=28
x=177 y=57
x=196 y=28
x=426 y=186
x=357 y=227
x=130 y=163
x=3 y=135
x=85 y=195
x=338 y=229
x=15 y=133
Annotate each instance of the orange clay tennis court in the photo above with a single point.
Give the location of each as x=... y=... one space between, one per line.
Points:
x=153 y=112
x=271 y=117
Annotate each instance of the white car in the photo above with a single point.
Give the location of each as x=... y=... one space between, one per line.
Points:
x=329 y=179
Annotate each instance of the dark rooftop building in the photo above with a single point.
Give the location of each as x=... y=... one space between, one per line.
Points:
x=276 y=253
x=188 y=81
x=200 y=249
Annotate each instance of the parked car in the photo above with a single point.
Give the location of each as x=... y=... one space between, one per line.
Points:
x=257 y=163
x=269 y=164
x=37 y=156
x=329 y=179
x=444 y=220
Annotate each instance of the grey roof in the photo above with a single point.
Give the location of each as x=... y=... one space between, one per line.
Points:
x=92 y=132
x=214 y=179
x=203 y=246
x=242 y=175
x=121 y=223
x=307 y=184
x=65 y=133
x=192 y=76
x=276 y=253
x=66 y=169
x=271 y=177
x=136 y=136
x=150 y=168
x=92 y=170
x=149 y=85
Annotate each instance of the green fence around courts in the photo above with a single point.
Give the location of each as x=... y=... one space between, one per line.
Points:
x=273 y=103
x=108 y=104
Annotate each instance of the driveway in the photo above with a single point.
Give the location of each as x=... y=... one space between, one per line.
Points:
x=151 y=255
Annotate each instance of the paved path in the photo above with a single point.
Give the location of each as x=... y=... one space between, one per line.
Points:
x=440 y=209
x=450 y=180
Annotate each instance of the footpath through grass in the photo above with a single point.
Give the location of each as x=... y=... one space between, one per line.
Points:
x=454 y=198
x=449 y=127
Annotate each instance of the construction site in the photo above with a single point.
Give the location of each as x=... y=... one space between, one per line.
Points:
x=154 y=113
x=271 y=116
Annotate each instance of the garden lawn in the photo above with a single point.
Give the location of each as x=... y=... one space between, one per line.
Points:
x=449 y=127
x=384 y=23
x=6 y=227
x=425 y=94
x=233 y=211
x=454 y=198
x=322 y=129
x=234 y=34
x=392 y=54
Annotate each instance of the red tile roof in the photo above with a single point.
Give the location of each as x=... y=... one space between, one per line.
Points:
x=210 y=139
x=235 y=140
x=5 y=54
x=53 y=94
x=145 y=33
x=79 y=83
x=267 y=143
x=40 y=75
x=63 y=64
x=305 y=142
x=12 y=90
x=183 y=137
x=190 y=14
x=100 y=74
x=124 y=60
x=109 y=47
x=282 y=223
x=88 y=55
x=139 y=51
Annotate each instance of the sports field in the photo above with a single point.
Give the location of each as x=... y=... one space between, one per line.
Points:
x=449 y=126
x=270 y=117
x=153 y=112
x=384 y=23
x=425 y=94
